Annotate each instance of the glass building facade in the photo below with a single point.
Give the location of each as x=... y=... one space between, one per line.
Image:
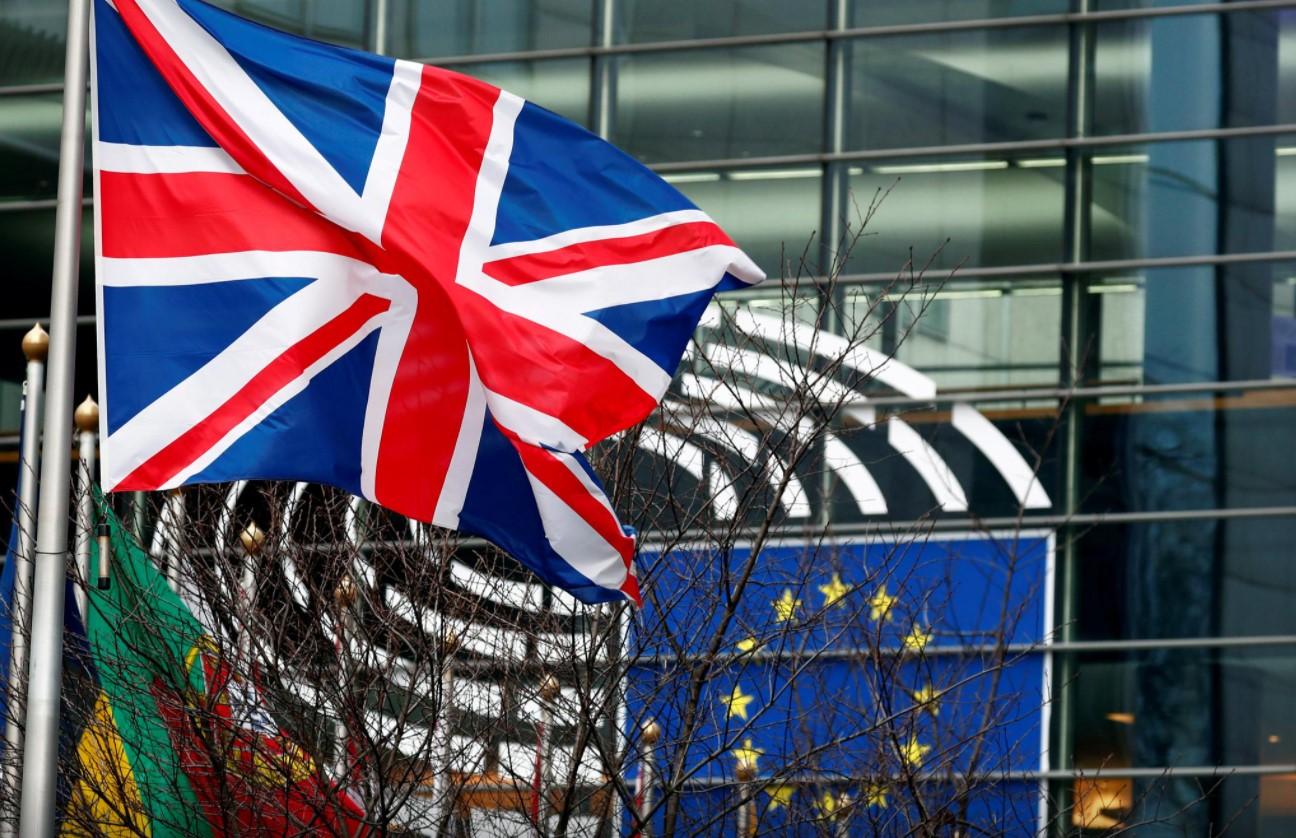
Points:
x=1103 y=193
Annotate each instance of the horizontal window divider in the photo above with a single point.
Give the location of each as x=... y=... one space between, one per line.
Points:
x=848 y=33
x=13 y=323
x=1007 y=147
x=1069 y=393
x=1001 y=527
x=858 y=32
x=27 y=205
x=1010 y=650
x=1040 y=270
x=1148 y=644
x=1115 y=772
x=32 y=89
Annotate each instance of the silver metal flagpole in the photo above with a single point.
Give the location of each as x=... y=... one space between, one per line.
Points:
x=87 y=423
x=35 y=346
x=40 y=754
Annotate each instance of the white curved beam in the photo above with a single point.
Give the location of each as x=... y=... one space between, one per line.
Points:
x=690 y=458
x=351 y=526
x=931 y=467
x=1003 y=455
x=895 y=374
x=729 y=435
x=227 y=516
x=767 y=367
x=296 y=584
x=488 y=641
x=523 y=596
x=861 y=485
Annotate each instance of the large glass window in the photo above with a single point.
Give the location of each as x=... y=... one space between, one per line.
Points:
x=1190 y=452
x=1187 y=579
x=943 y=213
x=29 y=140
x=1239 y=66
x=1231 y=322
x=887 y=12
x=560 y=85
x=1250 y=805
x=771 y=213
x=991 y=85
x=419 y=29
x=344 y=22
x=1185 y=707
x=32 y=41
x=703 y=105
x=1194 y=198
x=639 y=21
x=965 y=335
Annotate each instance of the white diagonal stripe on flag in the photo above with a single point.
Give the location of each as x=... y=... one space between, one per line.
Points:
x=580 y=235
x=198 y=396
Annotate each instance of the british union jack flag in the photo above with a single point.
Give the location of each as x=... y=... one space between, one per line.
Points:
x=319 y=264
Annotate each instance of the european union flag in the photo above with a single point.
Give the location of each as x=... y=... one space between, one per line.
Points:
x=863 y=685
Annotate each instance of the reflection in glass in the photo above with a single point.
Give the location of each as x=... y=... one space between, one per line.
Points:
x=1190 y=707
x=994 y=85
x=419 y=29
x=1192 y=198
x=32 y=41
x=560 y=85
x=1177 y=453
x=1199 y=323
x=640 y=21
x=965 y=335
x=1187 y=579
x=887 y=12
x=1240 y=67
x=946 y=213
x=726 y=103
x=740 y=202
x=345 y=22
x=29 y=139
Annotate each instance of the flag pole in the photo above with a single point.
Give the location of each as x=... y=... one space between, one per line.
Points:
x=35 y=345
x=40 y=754
x=87 y=423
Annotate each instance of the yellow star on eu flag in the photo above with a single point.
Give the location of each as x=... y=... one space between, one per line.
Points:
x=835 y=591
x=786 y=606
x=913 y=752
x=747 y=644
x=875 y=796
x=736 y=702
x=917 y=638
x=779 y=796
x=747 y=755
x=830 y=804
x=927 y=698
x=880 y=605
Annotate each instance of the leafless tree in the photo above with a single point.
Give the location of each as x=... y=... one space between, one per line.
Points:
x=436 y=683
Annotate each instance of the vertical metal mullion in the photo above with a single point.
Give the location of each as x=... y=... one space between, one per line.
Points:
x=832 y=197
x=379 y=27
x=603 y=70
x=1075 y=330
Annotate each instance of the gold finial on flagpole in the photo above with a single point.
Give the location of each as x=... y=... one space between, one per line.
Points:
x=651 y=733
x=252 y=537
x=549 y=688
x=345 y=594
x=35 y=343
x=86 y=416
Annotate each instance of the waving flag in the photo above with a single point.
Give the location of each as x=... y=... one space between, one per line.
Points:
x=319 y=264
x=176 y=743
